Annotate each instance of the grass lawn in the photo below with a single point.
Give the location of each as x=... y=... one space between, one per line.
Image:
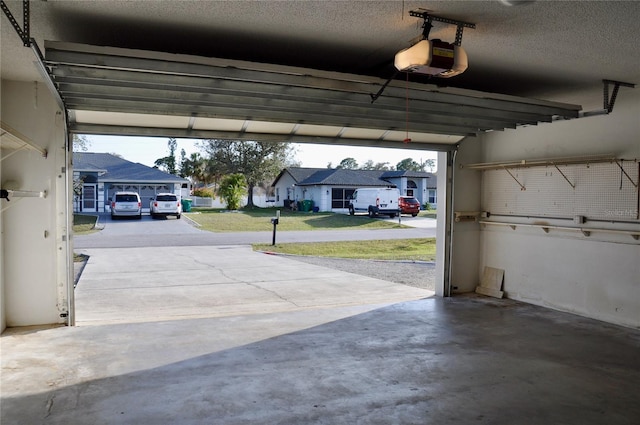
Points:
x=259 y=219
x=399 y=249
x=84 y=224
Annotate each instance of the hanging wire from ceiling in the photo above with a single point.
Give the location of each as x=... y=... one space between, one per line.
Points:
x=407 y=139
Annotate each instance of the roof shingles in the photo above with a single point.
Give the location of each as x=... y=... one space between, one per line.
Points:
x=119 y=169
x=345 y=177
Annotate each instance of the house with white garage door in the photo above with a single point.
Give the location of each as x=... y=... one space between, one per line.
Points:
x=330 y=189
x=97 y=176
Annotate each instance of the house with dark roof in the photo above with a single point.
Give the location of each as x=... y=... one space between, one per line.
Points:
x=97 y=176
x=330 y=189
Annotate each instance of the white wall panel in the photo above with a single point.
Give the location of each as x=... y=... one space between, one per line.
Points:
x=34 y=278
x=597 y=275
x=591 y=278
x=602 y=191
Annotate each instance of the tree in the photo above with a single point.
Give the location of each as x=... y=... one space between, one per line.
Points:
x=232 y=188
x=168 y=163
x=258 y=161
x=80 y=143
x=430 y=163
x=348 y=164
x=183 y=158
x=408 y=164
x=370 y=165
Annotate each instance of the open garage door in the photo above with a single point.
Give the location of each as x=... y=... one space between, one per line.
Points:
x=131 y=92
x=116 y=91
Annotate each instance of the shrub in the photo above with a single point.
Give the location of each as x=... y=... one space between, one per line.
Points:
x=232 y=188
x=203 y=193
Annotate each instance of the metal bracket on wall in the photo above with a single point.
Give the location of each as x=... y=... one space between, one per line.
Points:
x=15 y=141
x=609 y=102
x=573 y=186
x=522 y=187
x=622 y=171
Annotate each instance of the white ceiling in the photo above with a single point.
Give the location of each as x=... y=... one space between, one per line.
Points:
x=552 y=50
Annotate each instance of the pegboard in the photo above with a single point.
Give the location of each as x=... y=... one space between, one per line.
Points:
x=606 y=191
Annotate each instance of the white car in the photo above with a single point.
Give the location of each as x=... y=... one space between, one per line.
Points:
x=126 y=204
x=165 y=204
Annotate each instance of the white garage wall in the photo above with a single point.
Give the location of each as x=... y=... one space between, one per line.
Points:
x=34 y=274
x=596 y=276
x=466 y=235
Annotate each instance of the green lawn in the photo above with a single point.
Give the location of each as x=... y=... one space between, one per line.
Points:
x=398 y=249
x=259 y=219
x=84 y=224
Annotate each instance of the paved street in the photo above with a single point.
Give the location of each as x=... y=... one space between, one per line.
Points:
x=171 y=232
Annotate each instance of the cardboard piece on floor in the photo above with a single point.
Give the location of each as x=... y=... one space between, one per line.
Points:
x=491 y=283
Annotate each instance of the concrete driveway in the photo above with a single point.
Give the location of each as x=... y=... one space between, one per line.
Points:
x=168 y=269
x=169 y=283
x=300 y=344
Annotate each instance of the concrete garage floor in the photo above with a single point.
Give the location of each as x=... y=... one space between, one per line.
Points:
x=422 y=360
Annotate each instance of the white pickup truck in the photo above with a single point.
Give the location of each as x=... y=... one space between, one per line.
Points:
x=375 y=201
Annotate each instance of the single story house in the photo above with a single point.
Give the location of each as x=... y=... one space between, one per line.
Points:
x=330 y=189
x=97 y=176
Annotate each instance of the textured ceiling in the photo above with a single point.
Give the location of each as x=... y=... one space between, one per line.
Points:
x=551 y=50
x=539 y=49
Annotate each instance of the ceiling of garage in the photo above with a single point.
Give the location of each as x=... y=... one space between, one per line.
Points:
x=304 y=71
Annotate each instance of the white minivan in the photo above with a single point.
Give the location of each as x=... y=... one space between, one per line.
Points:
x=375 y=201
x=126 y=204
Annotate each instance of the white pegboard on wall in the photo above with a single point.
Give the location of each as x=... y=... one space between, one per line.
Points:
x=597 y=191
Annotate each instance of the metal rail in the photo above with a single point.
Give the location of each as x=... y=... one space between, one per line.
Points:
x=586 y=231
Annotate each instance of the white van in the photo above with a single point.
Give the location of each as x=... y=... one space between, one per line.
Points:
x=374 y=201
x=126 y=204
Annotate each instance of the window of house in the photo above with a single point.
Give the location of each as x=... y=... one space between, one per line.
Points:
x=340 y=197
x=432 y=197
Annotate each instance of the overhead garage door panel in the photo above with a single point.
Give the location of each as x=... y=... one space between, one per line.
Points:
x=114 y=80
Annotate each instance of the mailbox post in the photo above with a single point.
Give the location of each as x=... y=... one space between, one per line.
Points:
x=275 y=221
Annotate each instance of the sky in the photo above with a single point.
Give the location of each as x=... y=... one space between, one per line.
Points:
x=146 y=150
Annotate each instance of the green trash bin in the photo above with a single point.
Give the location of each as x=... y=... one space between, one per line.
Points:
x=307 y=205
x=186 y=205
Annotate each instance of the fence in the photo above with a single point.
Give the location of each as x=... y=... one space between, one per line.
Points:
x=258 y=200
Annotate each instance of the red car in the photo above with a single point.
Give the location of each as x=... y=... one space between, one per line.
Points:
x=409 y=205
